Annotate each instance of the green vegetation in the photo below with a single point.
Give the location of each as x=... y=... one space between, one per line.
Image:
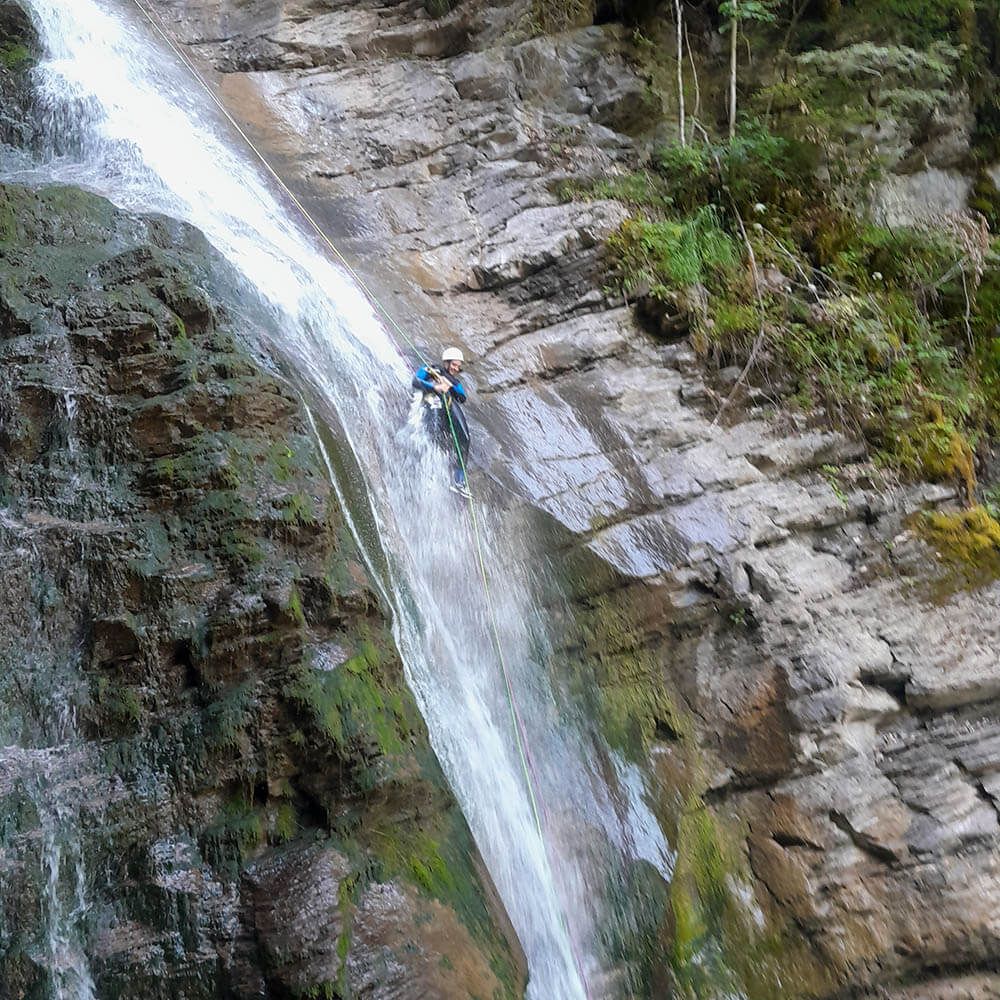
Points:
x=919 y=23
x=323 y=991
x=761 y=246
x=15 y=56
x=700 y=896
x=769 y=250
x=435 y=854
x=664 y=255
x=719 y=944
x=889 y=329
x=286 y=823
x=621 y=681
x=438 y=8
x=229 y=719
x=116 y=701
x=967 y=541
x=236 y=831
x=295 y=609
x=983 y=75
x=366 y=717
x=417 y=857
x=552 y=16
x=298 y=509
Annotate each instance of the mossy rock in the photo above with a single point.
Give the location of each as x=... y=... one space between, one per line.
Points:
x=720 y=943
x=986 y=200
x=19 y=49
x=941 y=453
x=967 y=541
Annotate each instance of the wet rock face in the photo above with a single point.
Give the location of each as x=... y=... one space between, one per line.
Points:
x=386 y=944
x=196 y=683
x=18 y=48
x=772 y=638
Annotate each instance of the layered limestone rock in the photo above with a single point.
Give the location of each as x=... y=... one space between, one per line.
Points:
x=213 y=780
x=814 y=693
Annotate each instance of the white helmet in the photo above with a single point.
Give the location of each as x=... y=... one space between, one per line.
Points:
x=453 y=354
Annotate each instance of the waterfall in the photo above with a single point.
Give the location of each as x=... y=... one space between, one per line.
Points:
x=124 y=118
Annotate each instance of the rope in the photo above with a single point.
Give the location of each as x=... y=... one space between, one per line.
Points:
x=520 y=734
x=495 y=628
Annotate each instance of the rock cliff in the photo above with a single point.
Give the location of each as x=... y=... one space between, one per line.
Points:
x=769 y=623
x=777 y=638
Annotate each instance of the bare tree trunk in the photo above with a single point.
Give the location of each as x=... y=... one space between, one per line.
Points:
x=680 y=70
x=733 y=40
x=696 y=114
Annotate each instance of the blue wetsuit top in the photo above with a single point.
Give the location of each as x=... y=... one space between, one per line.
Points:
x=424 y=380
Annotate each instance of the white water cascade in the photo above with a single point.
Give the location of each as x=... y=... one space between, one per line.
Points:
x=126 y=119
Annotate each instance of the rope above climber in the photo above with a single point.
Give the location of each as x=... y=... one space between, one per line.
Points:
x=440 y=391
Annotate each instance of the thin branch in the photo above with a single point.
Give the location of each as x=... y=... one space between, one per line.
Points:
x=733 y=54
x=694 y=72
x=680 y=68
x=968 y=312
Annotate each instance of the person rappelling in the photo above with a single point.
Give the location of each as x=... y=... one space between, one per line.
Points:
x=441 y=393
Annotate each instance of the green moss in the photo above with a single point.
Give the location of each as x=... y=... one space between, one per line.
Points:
x=418 y=857
x=237 y=830
x=434 y=853
x=295 y=609
x=634 y=706
x=282 y=462
x=227 y=721
x=733 y=319
x=15 y=56
x=8 y=219
x=699 y=892
x=720 y=943
x=286 y=823
x=968 y=541
x=322 y=991
x=117 y=702
x=357 y=708
x=626 y=692
x=238 y=549
x=298 y=509
x=945 y=455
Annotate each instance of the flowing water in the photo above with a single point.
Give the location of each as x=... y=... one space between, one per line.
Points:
x=123 y=117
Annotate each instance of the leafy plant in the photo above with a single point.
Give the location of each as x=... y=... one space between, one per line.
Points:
x=671 y=254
